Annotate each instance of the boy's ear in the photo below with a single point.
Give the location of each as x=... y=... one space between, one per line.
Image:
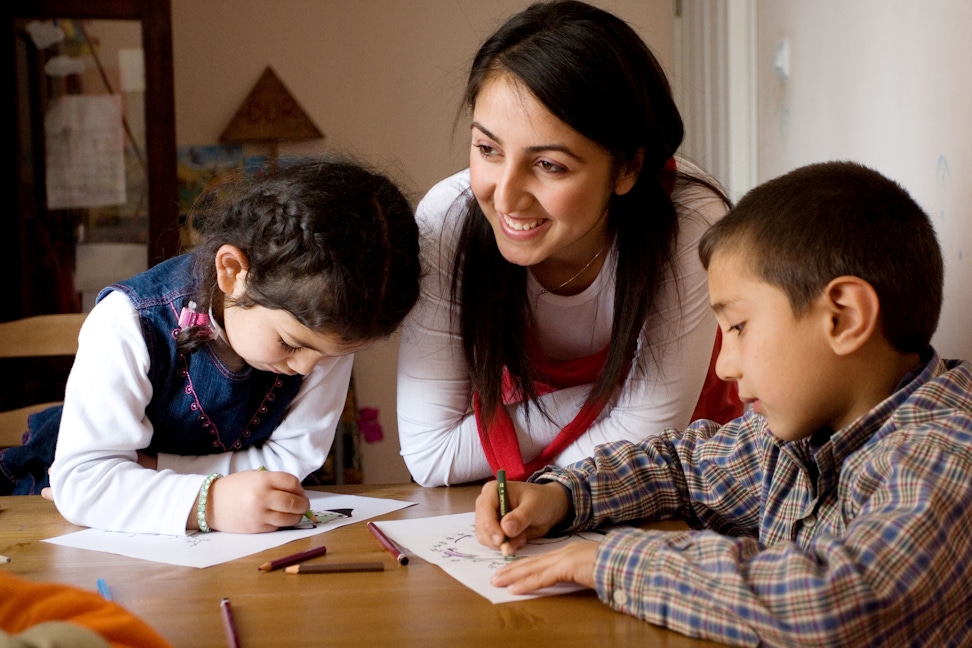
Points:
x=231 y=268
x=854 y=313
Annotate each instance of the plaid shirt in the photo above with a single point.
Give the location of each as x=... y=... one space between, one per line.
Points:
x=861 y=537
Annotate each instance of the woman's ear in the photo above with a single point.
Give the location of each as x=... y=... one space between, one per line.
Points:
x=629 y=174
x=231 y=268
x=855 y=312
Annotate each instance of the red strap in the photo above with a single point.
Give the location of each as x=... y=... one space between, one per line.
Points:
x=500 y=444
x=502 y=448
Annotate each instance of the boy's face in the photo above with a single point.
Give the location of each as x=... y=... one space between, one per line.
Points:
x=782 y=363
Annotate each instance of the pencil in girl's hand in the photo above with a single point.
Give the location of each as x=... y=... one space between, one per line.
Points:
x=307 y=514
x=293 y=559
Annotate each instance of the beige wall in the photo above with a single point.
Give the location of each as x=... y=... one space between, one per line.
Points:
x=381 y=78
x=886 y=87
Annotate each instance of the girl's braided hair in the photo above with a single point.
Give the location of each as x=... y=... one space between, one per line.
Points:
x=328 y=240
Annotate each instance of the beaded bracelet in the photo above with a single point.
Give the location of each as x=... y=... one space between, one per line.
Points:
x=201 y=502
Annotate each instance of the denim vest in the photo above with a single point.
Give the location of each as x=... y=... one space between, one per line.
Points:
x=198 y=405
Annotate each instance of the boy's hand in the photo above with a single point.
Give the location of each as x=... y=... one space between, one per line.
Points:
x=534 y=508
x=255 y=501
x=571 y=563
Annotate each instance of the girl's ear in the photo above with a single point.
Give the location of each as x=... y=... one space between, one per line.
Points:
x=629 y=174
x=855 y=312
x=231 y=268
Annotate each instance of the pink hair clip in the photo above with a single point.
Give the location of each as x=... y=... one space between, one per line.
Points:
x=189 y=318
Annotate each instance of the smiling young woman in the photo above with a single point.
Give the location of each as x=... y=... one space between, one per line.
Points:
x=563 y=303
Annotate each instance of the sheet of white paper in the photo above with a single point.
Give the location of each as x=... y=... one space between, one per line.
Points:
x=449 y=541
x=85 y=152
x=207 y=549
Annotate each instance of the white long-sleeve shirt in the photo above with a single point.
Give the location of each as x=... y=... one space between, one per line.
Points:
x=95 y=476
x=439 y=438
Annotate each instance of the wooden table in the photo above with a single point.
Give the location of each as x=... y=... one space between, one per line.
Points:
x=415 y=605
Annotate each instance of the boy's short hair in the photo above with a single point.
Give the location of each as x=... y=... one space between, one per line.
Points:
x=831 y=219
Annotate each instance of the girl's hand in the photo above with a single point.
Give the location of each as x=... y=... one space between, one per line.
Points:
x=254 y=501
x=572 y=563
x=534 y=508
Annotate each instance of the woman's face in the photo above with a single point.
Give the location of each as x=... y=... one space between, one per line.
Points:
x=543 y=186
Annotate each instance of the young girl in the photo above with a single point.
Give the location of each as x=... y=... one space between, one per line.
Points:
x=194 y=375
x=564 y=276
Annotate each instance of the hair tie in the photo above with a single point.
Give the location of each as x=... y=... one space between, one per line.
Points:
x=189 y=318
x=667 y=176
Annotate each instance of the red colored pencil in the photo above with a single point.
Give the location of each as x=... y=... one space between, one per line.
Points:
x=229 y=624
x=293 y=559
x=387 y=543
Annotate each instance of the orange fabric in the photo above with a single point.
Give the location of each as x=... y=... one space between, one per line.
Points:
x=719 y=400
x=24 y=604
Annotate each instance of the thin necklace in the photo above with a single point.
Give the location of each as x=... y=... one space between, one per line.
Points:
x=544 y=291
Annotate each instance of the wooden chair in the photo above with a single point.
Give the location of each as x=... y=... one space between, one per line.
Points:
x=35 y=337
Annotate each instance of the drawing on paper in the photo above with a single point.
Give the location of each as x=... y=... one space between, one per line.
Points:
x=323 y=517
x=463 y=546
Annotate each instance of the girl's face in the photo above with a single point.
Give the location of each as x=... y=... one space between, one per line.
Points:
x=543 y=186
x=269 y=339
x=273 y=340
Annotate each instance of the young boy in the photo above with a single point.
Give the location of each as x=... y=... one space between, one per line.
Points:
x=838 y=511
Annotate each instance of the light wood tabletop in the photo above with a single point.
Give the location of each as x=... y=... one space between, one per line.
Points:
x=414 y=605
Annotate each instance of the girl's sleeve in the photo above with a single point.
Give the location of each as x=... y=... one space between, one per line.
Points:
x=95 y=477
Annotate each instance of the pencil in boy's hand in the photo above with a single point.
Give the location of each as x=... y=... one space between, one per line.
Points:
x=293 y=559
x=504 y=508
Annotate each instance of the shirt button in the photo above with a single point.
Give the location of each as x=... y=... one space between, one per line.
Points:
x=620 y=597
x=810 y=520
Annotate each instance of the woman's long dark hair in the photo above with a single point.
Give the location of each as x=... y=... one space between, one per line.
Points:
x=593 y=72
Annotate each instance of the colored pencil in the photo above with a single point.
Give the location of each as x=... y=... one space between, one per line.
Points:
x=388 y=544
x=335 y=568
x=504 y=508
x=103 y=589
x=229 y=624
x=293 y=559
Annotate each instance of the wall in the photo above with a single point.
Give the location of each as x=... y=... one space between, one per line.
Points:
x=883 y=82
x=381 y=78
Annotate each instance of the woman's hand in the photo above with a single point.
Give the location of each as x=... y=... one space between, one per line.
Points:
x=254 y=501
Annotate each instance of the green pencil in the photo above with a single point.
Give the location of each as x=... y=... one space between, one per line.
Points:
x=504 y=508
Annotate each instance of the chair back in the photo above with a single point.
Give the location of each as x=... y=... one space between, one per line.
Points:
x=35 y=337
